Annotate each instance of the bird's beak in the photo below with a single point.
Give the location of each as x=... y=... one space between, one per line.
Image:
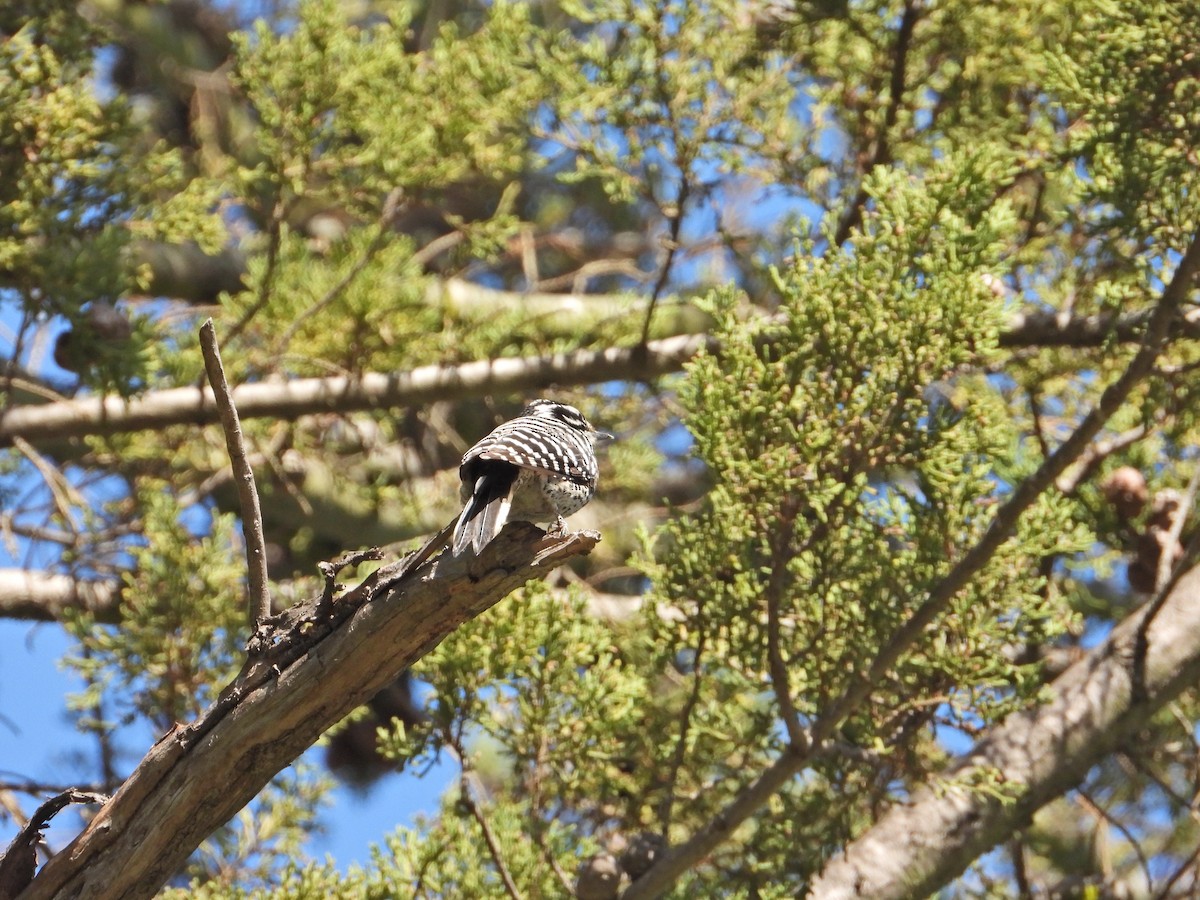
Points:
x=603 y=437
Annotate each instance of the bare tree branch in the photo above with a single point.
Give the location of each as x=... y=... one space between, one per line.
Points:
x=1047 y=329
x=44 y=597
x=20 y=859
x=1032 y=757
x=311 y=672
x=252 y=522
x=371 y=390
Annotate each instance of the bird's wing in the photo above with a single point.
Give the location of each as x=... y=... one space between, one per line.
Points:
x=551 y=451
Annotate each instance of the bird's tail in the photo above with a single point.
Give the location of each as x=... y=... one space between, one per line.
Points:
x=484 y=514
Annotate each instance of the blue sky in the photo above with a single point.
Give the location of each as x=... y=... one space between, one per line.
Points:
x=38 y=742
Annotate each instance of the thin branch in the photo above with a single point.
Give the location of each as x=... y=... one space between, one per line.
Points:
x=1143 y=768
x=672 y=242
x=468 y=781
x=1165 y=892
x=666 y=98
x=1166 y=558
x=896 y=90
x=564 y=879
x=252 y=523
x=13 y=383
x=1090 y=804
x=1083 y=468
x=776 y=664
x=275 y=229
x=391 y=208
x=437 y=247
x=60 y=489
x=1039 y=431
x=667 y=806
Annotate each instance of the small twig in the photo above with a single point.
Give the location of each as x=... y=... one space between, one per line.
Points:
x=332 y=569
x=1105 y=816
x=252 y=523
x=564 y=879
x=437 y=247
x=1166 y=557
x=1165 y=892
x=431 y=546
x=275 y=229
x=666 y=809
x=1081 y=470
x=391 y=207
x=489 y=837
x=777 y=665
x=60 y=489
x=466 y=779
x=1039 y=432
x=676 y=228
x=1143 y=768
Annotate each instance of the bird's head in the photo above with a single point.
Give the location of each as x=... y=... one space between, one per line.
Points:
x=568 y=415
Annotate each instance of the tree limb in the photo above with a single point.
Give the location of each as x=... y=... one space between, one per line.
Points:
x=1034 y=757
x=309 y=674
x=371 y=390
x=252 y=522
x=45 y=597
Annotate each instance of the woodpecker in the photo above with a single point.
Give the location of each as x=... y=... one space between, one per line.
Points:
x=536 y=467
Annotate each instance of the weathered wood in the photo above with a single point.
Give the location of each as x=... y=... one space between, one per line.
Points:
x=328 y=661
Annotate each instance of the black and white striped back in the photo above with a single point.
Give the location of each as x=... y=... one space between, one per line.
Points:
x=538 y=466
x=547 y=437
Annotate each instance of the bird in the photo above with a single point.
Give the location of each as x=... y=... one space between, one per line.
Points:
x=536 y=467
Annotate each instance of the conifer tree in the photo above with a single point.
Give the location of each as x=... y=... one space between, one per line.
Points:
x=892 y=305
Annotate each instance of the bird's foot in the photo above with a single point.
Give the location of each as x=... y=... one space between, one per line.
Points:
x=559 y=528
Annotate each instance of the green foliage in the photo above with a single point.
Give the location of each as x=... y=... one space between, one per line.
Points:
x=79 y=185
x=337 y=99
x=680 y=88
x=263 y=838
x=551 y=692
x=1129 y=73
x=182 y=614
x=842 y=495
